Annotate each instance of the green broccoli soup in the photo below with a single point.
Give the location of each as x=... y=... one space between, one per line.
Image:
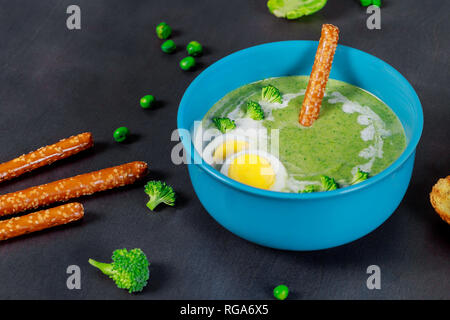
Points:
x=256 y=138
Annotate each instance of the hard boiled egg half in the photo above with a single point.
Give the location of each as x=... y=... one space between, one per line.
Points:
x=256 y=168
x=223 y=146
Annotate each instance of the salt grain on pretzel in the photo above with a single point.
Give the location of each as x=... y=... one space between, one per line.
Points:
x=74 y=187
x=45 y=155
x=319 y=75
x=40 y=220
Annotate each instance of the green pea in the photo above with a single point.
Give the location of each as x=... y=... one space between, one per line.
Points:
x=376 y=3
x=194 y=48
x=163 y=30
x=187 y=63
x=168 y=46
x=121 y=134
x=281 y=292
x=147 y=101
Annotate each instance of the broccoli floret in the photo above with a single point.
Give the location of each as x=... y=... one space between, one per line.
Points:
x=293 y=9
x=359 y=176
x=328 y=183
x=254 y=110
x=224 y=124
x=309 y=189
x=159 y=192
x=271 y=94
x=129 y=269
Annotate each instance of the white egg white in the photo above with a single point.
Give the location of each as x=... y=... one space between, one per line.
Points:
x=208 y=152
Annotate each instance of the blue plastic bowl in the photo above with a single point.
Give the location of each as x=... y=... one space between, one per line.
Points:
x=301 y=221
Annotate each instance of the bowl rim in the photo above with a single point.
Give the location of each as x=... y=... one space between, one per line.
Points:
x=409 y=150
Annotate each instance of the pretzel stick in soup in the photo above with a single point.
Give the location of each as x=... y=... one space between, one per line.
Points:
x=74 y=187
x=45 y=155
x=319 y=75
x=40 y=220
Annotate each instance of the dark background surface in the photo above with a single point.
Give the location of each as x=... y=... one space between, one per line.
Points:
x=55 y=83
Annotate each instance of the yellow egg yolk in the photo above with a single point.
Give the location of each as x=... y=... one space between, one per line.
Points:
x=228 y=148
x=252 y=170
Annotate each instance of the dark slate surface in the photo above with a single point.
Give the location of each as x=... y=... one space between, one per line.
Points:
x=55 y=83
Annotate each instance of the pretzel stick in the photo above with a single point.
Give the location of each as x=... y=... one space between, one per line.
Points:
x=40 y=220
x=74 y=187
x=45 y=155
x=319 y=75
